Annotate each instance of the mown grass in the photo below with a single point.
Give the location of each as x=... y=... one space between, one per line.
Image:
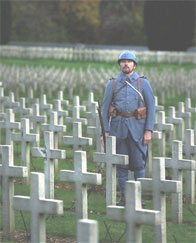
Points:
x=85 y=64
x=62 y=226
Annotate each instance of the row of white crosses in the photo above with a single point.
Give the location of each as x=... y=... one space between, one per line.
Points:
x=162 y=126
x=77 y=177
x=45 y=80
x=40 y=203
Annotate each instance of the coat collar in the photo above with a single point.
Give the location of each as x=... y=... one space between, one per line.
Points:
x=122 y=78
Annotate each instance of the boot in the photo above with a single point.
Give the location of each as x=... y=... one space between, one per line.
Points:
x=121 y=202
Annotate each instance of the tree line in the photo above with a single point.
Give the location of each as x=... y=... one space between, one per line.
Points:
x=160 y=24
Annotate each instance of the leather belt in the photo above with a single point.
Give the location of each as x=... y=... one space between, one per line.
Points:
x=125 y=114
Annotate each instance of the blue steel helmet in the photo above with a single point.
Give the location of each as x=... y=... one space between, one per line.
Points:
x=128 y=56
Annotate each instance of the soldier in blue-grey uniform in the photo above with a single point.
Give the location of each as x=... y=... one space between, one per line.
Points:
x=132 y=135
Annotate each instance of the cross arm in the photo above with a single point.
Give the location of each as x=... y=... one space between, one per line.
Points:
x=16 y=136
x=91 y=178
x=32 y=137
x=38 y=152
x=50 y=206
x=57 y=154
x=148 y=217
x=85 y=141
x=146 y=183
x=116 y=213
x=120 y=159
x=171 y=186
x=18 y=171
x=99 y=157
x=67 y=175
x=21 y=203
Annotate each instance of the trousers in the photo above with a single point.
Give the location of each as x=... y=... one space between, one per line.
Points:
x=137 y=161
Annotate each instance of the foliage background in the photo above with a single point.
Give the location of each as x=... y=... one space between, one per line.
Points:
x=160 y=24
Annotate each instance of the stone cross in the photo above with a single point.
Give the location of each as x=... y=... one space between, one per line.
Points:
x=22 y=110
x=31 y=99
x=76 y=116
x=133 y=214
x=148 y=170
x=49 y=154
x=38 y=206
x=189 y=149
x=60 y=112
x=157 y=108
x=87 y=231
x=9 y=124
x=176 y=121
x=3 y=99
x=159 y=186
x=12 y=102
x=8 y=172
x=89 y=101
x=96 y=133
x=76 y=102
x=184 y=114
x=56 y=129
x=36 y=118
x=44 y=106
x=162 y=126
x=92 y=114
x=60 y=97
x=81 y=178
x=25 y=137
x=188 y=107
x=77 y=140
x=111 y=159
x=178 y=164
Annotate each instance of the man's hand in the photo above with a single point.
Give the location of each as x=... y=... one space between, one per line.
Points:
x=102 y=141
x=147 y=137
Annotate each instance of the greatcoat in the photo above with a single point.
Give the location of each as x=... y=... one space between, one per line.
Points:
x=127 y=101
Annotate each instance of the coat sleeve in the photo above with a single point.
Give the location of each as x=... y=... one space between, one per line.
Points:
x=106 y=102
x=150 y=104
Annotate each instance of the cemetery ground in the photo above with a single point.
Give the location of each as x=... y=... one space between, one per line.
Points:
x=62 y=228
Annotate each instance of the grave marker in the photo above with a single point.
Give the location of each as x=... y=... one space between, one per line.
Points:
x=184 y=114
x=76 y=116
x=162 y=126
x=77 y=140
x=49 y=154
x=111 y=159
x=22 y=110
x=8 y=172
x=9 y=125
x=189 y=149
x=133 y=214
x=87 y=231
x=25 y=137
x=56 y=129
x=177 y=121
x=178 y=164
x=159 y=186
x=38 y=206
x=81 y=178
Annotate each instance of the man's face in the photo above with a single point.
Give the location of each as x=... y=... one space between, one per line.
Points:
x=127 y=66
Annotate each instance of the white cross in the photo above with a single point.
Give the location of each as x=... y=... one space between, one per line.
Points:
x=178 y=164
x=38 y=206
x=81 y=178
x=159 y=186
x=8 y=172
x=133 y=214
x=49 y=154
x=111 y=159
x=77 y=140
